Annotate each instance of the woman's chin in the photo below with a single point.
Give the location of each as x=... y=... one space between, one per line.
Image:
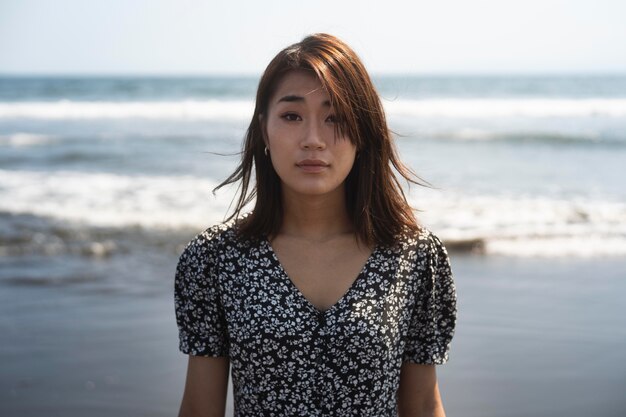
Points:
x=312 y=189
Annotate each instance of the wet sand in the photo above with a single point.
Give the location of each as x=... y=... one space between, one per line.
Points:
x=535 y=337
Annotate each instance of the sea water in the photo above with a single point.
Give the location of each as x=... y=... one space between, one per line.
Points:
x=523 y=166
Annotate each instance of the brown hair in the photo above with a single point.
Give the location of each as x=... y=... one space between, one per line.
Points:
x=374 y=197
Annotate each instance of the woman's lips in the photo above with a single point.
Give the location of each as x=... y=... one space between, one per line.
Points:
x=312 y=165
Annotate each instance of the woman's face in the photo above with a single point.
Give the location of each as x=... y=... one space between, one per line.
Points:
x=301 y=138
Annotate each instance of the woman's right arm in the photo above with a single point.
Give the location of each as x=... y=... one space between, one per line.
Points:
x=206 y=387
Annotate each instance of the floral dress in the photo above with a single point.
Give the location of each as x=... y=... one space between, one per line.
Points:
x=233 y=298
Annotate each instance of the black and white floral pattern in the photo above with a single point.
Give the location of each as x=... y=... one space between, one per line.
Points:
x=233 y=298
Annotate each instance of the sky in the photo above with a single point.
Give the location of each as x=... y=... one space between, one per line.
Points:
x=200 y=37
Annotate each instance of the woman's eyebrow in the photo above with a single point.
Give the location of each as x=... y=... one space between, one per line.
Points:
x=291 y=98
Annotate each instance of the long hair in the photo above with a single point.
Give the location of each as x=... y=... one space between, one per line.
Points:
x=374 y=197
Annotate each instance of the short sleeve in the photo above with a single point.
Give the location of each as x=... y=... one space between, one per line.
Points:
x=199 y=313
x=434 y=317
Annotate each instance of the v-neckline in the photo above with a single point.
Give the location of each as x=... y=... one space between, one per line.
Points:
x=299 y=293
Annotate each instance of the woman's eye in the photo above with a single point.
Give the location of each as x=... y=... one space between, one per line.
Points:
x=332 y=119
x=291 y=117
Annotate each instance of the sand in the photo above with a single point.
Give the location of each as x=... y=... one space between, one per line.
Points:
x=535 y=337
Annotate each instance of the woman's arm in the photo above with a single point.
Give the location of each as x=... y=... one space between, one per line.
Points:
x=418 y=394
x=206 y=387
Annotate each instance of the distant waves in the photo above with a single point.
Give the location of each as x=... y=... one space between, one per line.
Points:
x=242 y=109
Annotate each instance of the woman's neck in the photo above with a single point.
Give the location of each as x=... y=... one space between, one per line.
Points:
x=315 y=218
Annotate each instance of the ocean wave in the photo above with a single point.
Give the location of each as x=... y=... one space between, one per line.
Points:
x=172 y=110
x=25 y=234
x=25 y=139
x=517 y=107
x=530 y=135
x=517 y=134
x=488 y=224
x=106 y=199
x=458 y=108
x=527 y=226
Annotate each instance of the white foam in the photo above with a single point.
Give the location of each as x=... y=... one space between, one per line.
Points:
x=177 y=110
x=24 y=139
x=242 y=109
x=527 y=226
x=113 y=200
x=488 y=108
x=588 y=246
x=511 y=225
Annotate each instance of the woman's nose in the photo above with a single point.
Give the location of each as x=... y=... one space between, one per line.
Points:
x=313 y=138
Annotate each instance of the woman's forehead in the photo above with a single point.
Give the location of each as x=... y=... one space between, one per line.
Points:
x=299 y=86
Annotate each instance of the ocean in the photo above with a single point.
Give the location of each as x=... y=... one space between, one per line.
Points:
x=524 y=166
x=104 y=179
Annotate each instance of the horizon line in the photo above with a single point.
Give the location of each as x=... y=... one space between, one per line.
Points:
x=131 y=74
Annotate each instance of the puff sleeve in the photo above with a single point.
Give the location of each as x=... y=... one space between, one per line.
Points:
x=433 y=319
x=199 y=313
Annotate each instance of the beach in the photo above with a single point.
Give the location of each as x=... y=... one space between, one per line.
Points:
x=104 y=180
x=534 y=338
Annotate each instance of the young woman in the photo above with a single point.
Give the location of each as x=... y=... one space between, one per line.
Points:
x=328 y=298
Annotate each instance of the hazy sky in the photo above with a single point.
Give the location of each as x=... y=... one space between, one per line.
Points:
x=240 y=37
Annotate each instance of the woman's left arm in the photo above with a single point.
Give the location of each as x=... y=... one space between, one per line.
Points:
x=418 y=395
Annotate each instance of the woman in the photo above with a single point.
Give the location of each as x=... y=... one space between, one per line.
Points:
x=328 y=298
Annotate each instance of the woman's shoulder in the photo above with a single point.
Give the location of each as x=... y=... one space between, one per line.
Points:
x=207 y=241
x=425 y=255
x=421 y=239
